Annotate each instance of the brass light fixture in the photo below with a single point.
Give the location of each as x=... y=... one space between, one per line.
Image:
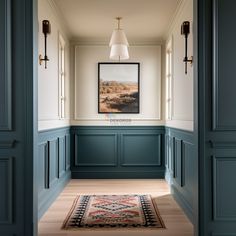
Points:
x=46 y=30
x=185 y=30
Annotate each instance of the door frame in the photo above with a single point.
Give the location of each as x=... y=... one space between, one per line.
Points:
x=32 y=197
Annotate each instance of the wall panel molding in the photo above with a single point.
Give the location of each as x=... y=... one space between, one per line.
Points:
x=130 y=151
x=180 y=152
x=93 y=159
x=223 y=145
x=53 y=161
x=53 y=164
x=223 y=234
x=5 y=66
x=6 y=183
x=222 y=95
x=224 y=194
x=146 y=151
x=68 y=152
x=7 y=144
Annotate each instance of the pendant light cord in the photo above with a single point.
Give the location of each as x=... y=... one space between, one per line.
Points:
x=118 y=19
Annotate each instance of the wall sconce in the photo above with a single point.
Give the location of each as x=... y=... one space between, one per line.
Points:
x=46 y=30
x=185 y=30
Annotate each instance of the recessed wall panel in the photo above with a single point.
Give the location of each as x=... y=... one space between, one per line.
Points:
x=6 y=184
x=224 y=70
x=224 y=193
x=141 y=149
x=5 y=66
x=96 y=149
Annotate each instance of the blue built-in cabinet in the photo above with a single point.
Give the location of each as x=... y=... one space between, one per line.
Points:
x=53 y=165
x=117 y=152
x=181 y=168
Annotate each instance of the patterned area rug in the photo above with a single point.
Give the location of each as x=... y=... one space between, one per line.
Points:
x=113 y=211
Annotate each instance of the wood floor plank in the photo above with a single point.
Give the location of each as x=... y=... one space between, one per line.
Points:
x=177 y=224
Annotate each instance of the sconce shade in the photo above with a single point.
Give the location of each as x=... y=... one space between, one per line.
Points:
x=118 y=37
x=46 y=27
x=119 y=52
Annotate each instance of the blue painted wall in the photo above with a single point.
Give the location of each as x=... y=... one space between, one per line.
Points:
x=53 y=165
x=181 y=168
x=117 y=152
x=138 y=152
x=217 y=118
x=17 y=118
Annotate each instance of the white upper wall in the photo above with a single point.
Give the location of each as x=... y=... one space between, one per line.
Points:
x=82 y=105
x=182 y=97
x=48 y=79
x=86 y=85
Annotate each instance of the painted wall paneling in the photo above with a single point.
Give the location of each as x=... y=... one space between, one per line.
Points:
x=217 y=118
x=179 y=151
x=6 y=182
x=17 y=122
x=117 y=152
x=5 y=66
x=86 y=58
x=53 y=165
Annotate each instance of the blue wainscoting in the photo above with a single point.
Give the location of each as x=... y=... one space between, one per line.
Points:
x=53 y=165
x=117 y=152
x=180 y=167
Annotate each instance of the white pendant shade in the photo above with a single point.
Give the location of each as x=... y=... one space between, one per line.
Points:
x=118 y=37
x=119 y=44
x=119 y=52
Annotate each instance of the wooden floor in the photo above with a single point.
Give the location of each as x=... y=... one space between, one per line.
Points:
x=175 y=221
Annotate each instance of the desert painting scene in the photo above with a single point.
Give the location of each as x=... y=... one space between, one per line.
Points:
x=119 y=88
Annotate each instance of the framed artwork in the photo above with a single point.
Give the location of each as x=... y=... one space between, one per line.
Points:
x=118 y=87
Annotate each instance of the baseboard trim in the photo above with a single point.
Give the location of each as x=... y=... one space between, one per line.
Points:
x=182 y=203
x=160 y=174
x=52 y=194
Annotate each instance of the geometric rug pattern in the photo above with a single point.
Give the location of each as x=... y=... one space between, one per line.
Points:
x=113 y=212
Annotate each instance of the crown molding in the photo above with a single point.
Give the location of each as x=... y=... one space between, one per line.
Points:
x=75 y=42
x=181 y=4
x=58 y=14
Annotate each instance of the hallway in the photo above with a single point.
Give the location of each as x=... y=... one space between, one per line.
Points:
x=175 y=221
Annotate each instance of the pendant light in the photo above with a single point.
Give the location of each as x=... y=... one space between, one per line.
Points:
x=119 y=43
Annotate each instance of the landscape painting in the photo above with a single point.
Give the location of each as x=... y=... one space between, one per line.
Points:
x=118 y=87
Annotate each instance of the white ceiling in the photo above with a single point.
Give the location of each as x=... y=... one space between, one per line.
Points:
x=93 y=20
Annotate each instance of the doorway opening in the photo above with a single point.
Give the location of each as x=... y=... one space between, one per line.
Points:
x=76 y=141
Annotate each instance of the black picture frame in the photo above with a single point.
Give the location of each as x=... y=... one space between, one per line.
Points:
x=123 y=97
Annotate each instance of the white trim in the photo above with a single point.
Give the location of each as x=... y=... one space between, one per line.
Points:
x=181 y=118
x=181 y=4
x=159 y=118
x=75 y=76
x=169 y=46
x=118 y=118
x=61 y=44
x=58 y=14
x=77 y=42
x=54 y=119
x=184 y=125
x=46 y=118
